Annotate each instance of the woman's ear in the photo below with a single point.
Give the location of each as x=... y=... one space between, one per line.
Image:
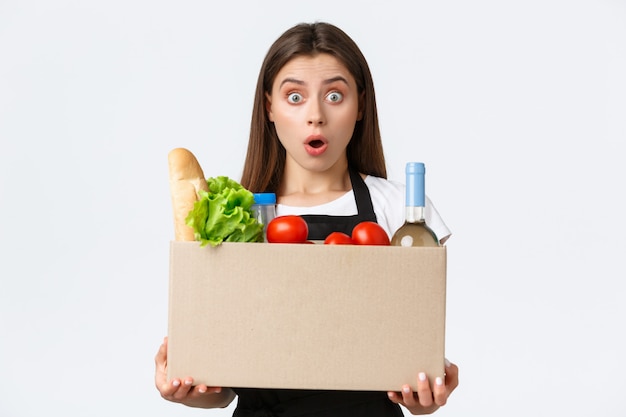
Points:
x=268 y=107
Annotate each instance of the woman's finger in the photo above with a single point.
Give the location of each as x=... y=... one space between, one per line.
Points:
x=424 y=393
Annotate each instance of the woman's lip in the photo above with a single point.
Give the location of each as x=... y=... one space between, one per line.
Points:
x=315 y=145
x=312 y=138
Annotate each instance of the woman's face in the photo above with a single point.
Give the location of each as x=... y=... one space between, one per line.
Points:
x=314 y=104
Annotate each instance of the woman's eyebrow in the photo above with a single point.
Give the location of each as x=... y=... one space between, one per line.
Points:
x=337 y=78
x=327 y=81
x=292 y=80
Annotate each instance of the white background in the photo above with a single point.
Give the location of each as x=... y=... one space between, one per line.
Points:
x=517 y=108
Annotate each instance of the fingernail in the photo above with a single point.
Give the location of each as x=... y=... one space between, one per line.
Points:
x=406 y=389
x=447 y=363
x=438 y=381
x=176 y=382
x=201 y=390
x=422 y=376
x=187 y=382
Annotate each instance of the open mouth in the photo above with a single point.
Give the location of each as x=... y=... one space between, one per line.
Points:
x=316 y=143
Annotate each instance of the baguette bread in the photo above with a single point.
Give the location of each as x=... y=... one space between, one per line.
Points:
x=186 y=180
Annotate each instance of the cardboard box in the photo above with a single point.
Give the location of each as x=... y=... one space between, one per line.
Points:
x=306 y=316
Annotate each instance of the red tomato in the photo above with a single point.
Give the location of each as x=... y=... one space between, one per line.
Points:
x=287 y=229
x=338 y=238
x=370 y=233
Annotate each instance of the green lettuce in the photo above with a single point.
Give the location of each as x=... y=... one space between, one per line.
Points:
x=224 y=214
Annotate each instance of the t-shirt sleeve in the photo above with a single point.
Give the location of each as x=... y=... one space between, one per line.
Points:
x=435 y=222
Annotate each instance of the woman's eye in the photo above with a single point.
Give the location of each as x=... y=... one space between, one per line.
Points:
x=294 y=98
x=335 y=97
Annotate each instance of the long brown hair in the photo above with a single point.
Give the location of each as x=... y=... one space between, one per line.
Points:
x=265 y=158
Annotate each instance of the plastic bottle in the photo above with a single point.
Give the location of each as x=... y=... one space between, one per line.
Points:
x=264 y=209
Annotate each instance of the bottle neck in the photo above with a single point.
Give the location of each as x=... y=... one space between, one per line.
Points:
x=414 y=214
x=415 y=194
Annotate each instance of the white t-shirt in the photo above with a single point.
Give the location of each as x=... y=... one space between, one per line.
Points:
x=388 y=199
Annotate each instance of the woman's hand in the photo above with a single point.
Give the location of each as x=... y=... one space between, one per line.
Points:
x=183 y=390
x=427 y=400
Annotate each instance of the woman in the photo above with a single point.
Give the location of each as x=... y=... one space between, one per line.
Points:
x=315 y=142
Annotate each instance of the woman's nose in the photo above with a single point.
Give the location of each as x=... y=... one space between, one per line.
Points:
x=316 y=113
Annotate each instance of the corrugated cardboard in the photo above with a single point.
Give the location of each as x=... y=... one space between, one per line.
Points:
x=306 y=316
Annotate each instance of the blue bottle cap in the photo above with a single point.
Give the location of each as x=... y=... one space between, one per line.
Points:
x=415 y=168
x=264 y=198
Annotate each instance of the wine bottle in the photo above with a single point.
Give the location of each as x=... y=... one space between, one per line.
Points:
x=415 y=231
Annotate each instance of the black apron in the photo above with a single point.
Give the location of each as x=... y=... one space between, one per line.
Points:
x=256 y=402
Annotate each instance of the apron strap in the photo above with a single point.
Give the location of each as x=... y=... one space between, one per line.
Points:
x=364 y=205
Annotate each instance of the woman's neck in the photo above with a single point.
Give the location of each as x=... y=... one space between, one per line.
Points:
x=301 y=187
